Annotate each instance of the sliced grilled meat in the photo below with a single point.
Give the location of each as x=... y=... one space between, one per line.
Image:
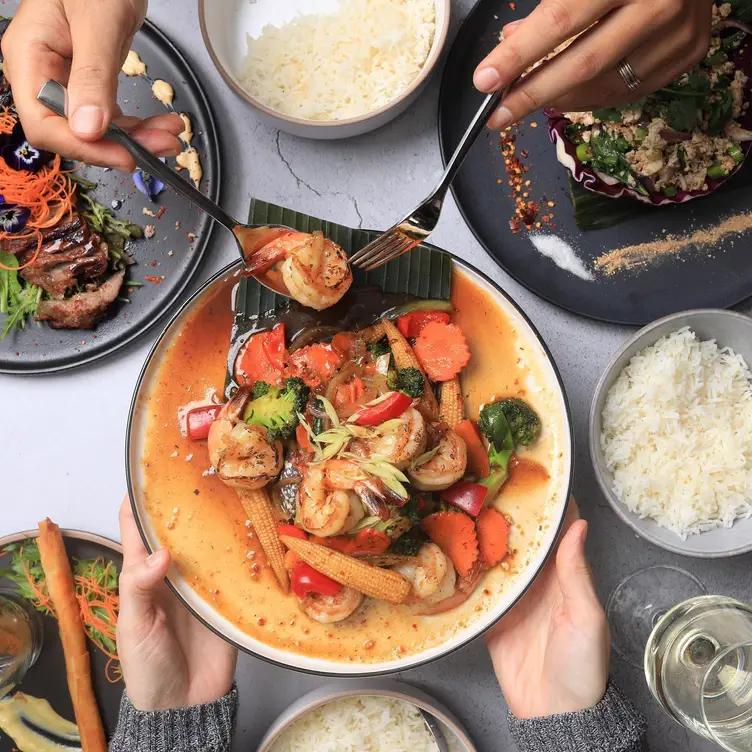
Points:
x=61 y=230
x=84 y=309
x=69 y=255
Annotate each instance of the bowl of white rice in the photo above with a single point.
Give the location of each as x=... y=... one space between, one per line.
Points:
x=326 y=69
x=671 y=433
x=375 y=715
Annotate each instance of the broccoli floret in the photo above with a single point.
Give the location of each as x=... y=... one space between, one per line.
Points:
x=277 y=409
x=260 y=388
x=407 y=380
x=495 y=427
x=523 y=421
x=411 y=510
x=379 y=348
x=409 y=544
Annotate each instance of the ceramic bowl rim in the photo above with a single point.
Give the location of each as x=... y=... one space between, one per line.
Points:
x=334 y=691
x=368 y=670
x=434 y=56
x=605 y=382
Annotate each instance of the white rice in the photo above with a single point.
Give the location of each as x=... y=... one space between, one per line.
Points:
x=359 y=724
x=344 y=64
x=677 y=435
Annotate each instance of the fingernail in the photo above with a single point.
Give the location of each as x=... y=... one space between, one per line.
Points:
x=501 y=118
x=154 y=559
x=487 y=79
x=87 y=120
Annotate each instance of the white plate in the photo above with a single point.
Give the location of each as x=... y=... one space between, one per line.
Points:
x=550 y=524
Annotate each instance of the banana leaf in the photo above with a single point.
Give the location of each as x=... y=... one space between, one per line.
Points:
x=425 y=272
x=593 y=211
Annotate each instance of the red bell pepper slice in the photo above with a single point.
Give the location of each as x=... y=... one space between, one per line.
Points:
x=198 y=421
x=467 y=496
x=410 y=324
x=388 y=409
x=285 y=528
x=371 y=541
x=306 y=580
x=274 y=346
x=345 y=544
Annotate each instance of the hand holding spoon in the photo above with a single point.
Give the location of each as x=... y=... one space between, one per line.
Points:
x=249 y=239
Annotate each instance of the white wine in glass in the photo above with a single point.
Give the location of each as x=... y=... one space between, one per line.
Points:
x=698 y=668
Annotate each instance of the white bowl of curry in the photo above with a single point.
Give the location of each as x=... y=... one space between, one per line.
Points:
x=219 y=570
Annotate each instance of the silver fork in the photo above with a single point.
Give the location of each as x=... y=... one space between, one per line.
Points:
x=422 y=220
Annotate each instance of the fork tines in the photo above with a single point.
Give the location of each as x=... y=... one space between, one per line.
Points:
x=386 y=247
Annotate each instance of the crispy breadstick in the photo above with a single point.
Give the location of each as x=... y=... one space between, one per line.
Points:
x=59 y=578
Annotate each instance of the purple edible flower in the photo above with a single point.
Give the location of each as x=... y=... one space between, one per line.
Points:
x=18 y=153
x=148 y=184
x=13 y=218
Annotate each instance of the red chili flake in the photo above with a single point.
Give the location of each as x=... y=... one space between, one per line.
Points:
x=513 y=6
x=154 y=263
x=161 y=211
x=524 y=154
x=154 y=280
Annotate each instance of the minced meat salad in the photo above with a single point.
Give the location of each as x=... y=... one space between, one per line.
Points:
x=679 y=137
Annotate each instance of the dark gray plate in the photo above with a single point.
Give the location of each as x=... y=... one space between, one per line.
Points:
x=718 y=277
x=46 y=678
x=39 y=349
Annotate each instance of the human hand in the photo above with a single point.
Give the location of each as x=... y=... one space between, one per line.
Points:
x=169 y=659
x=551 y=652
x=659 y=38
x=81 y=43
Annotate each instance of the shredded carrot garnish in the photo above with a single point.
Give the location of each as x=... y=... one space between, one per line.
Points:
x=48 y=193
x=8 y=119
x=99 y=606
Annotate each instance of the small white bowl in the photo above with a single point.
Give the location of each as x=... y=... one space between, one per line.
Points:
x=225 y=23
x=455 y=735
x=729 y=329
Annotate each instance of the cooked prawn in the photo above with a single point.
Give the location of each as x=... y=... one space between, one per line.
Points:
x=446 y=466
x=397 y=441
x=240 y=454
x=327 y=503
x=428 y=572
x=327 y=609
x=315 y=270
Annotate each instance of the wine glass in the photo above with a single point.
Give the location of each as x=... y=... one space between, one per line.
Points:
x=726 y=698
x=20 y=639
x=639 y=602
x=698 y=664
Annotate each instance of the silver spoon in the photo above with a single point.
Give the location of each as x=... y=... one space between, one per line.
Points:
x=53 y=96
x=435 y=730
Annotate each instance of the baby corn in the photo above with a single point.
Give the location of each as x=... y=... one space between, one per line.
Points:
x=372 y=333
x=383 y=584
x=452 y=406
x=404 y=357
x=259 y=510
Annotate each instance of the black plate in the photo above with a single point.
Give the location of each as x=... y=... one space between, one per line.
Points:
x=39 y=349
x=705 y=278
x=46 y=678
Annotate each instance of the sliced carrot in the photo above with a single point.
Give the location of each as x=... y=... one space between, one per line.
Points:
x=252 y=363
x=493 y=536
x=454 y=533
x=291 y=531
x=371 y=541
x=477 y=455
x=442 y=350
x=302 y=437
x=343 y=342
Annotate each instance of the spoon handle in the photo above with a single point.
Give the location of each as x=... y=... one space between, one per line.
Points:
x=53 y=96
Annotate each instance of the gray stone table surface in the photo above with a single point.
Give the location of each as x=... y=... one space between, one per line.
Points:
x=79 y=478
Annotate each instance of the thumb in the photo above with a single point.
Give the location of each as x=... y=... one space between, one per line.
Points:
x=139 y=582
x=92 y=86
x=572 y=569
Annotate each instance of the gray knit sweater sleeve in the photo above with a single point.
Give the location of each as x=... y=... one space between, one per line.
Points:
x=203 y=728
x=613 y=725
